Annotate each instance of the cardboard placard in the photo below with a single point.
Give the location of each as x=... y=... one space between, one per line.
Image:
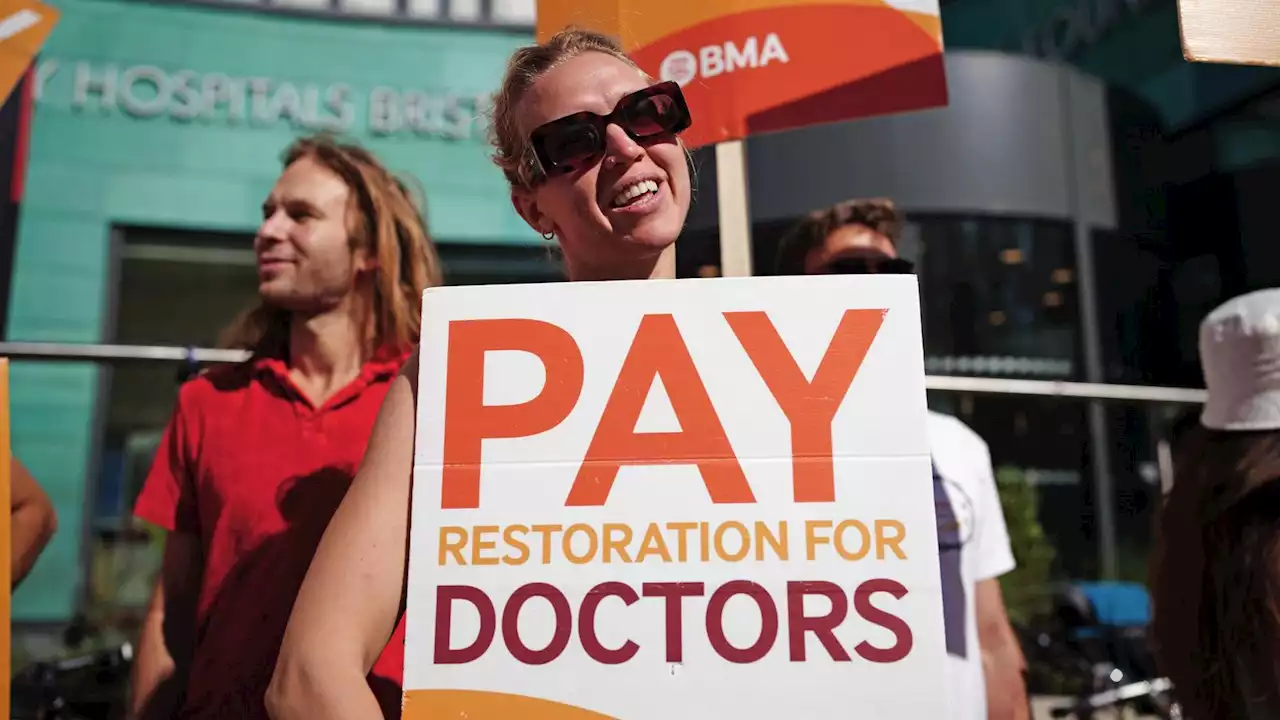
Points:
x=752 y=66
x=1242 y=32
x=674 y=499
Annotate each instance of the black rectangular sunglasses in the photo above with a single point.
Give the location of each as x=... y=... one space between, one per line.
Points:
x=577 y=141
x=869 y=265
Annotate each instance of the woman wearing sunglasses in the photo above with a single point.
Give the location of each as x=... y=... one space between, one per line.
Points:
x=589 y=146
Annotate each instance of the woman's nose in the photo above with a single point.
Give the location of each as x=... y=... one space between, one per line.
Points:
x=620 y=145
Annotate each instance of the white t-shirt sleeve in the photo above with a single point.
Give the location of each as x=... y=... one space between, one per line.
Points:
x=994 y=555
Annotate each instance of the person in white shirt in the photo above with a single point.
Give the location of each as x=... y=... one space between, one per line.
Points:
x=985 y=671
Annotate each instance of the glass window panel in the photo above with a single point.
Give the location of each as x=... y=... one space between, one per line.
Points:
x=303 y=4
x=424 y=8
x=999 y=294
x=205 y=280
x=464 y=10
x=515 y=12
x=369 y=7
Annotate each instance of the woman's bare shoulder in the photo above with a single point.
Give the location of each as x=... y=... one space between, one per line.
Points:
x=409 y=371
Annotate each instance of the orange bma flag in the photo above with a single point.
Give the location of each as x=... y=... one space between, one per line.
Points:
x=24 y=26
x=756 y=66
x=1240 y=32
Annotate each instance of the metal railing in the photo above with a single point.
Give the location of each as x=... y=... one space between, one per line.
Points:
x=82 y=351
x=952 y=383
x=1065 y=389
x=1094 y=394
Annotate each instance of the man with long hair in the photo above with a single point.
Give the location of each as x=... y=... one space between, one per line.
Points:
x=984 y=661
x=257 y=456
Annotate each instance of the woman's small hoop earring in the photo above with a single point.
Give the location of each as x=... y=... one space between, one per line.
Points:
x=548 y=236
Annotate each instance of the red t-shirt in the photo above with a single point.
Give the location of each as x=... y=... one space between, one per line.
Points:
x=257 y=472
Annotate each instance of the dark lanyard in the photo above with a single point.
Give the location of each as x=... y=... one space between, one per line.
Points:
x=950 y=547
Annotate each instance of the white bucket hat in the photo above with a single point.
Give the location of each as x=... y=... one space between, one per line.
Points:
x=1240 y=352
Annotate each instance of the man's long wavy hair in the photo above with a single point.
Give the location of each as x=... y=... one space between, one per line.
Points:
x=384 y=218
x=1215 y=576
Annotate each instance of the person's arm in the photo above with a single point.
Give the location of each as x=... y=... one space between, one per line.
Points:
x=32 y=521
x=158 y=675
x=353 y=594
x=166 y=641
x=1002 y=662
x=1003 y=665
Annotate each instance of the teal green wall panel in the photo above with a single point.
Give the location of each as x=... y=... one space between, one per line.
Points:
x=1137 y=49
x=1242 y=144
x=1191 y=93
x=990 y=24
x=58 y=289
x=62 y=189
x=52 y=407
x=94 y=166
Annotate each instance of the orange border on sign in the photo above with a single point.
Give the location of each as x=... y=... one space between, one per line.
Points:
x=484 y=705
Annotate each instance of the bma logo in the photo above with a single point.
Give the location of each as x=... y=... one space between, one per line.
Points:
x=682 y=66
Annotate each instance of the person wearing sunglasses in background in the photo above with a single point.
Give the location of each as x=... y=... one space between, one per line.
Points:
x=591 y=151
x=985 y=668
